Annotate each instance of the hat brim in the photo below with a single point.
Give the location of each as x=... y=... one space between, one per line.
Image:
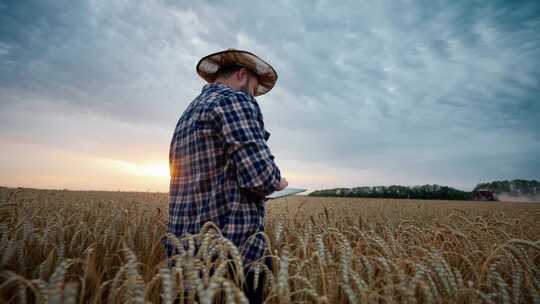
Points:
x=210 y=64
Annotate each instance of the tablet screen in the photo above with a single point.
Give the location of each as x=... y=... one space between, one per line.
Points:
x=285 y=192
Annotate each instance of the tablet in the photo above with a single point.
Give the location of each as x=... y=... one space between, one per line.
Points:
x=285 y=192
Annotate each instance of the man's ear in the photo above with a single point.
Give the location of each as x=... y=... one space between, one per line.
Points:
x=243 y=74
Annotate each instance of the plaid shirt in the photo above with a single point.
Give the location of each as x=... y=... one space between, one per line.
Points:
x=221 y=169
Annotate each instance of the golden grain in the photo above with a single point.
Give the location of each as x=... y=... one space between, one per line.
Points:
x=104 y=247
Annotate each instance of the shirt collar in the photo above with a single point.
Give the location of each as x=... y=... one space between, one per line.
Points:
x=217 y=85
x=225 y=87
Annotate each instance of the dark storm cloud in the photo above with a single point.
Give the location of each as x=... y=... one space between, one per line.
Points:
x=411 y=91
x=122 y=59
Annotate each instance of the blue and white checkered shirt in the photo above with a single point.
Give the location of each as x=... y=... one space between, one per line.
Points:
x=221 y=169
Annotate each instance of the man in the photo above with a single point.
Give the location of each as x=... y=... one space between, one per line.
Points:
x=221 y=167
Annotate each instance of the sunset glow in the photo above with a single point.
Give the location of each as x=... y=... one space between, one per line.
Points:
x=158 y=169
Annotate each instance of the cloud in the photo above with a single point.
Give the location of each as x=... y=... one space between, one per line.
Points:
x=400 y=91
x=121 y=60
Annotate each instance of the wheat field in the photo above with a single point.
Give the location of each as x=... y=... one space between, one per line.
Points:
x=104 y=247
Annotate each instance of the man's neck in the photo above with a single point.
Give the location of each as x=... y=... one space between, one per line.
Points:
x=227 y=83
x=233 y=86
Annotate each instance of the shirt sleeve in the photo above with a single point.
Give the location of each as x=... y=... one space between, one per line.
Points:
x=241 y=126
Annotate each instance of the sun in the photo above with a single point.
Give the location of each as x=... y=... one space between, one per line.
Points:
x=154 y=169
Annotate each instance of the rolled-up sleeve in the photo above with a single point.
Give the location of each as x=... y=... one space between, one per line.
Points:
x=240 y=124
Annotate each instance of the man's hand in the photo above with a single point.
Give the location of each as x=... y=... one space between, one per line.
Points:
x=282 y=184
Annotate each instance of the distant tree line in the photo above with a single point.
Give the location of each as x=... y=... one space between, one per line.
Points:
x=514 y=187
x=396 y=191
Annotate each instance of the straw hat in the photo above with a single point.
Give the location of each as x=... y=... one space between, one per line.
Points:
x=210 y=64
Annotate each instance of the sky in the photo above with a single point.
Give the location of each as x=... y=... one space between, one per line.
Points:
x=369 y=92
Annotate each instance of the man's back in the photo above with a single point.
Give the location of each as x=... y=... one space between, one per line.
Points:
x=221 y=168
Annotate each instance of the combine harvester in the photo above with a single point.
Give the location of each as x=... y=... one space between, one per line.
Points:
x=484 y=195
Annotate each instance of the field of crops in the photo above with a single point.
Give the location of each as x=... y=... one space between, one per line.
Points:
x=104 y=247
